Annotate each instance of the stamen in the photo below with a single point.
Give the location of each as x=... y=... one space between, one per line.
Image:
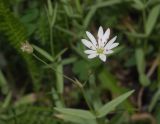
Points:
x=100 y=50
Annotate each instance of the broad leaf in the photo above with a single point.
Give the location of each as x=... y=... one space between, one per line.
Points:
x=140 y=61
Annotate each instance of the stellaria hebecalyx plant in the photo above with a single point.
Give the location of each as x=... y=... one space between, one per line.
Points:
x=100 y=47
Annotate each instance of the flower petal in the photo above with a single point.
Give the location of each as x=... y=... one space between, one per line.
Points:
x=102 y=57
x=88 y=44
x=108 y=52
x=110 y=42
x=100 y=43
x=92 y=55
x=113 y=45
x=106 y=35
x=100 y=32
x=89 y=51
x=92 y=38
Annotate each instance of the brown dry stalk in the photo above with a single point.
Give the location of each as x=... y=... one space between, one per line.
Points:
x=143 y=116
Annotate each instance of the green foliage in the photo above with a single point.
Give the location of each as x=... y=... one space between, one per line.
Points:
x=75 y=112
x=141 y=67
x=42 y=29
x=108 y=107
x=11 y=26
x=16 y=34
x=63 y=77
x=80 y=115
x=152 y=19
x=43 y=53
x=27 y=115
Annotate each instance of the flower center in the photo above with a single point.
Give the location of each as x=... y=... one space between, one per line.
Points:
x=100 y=50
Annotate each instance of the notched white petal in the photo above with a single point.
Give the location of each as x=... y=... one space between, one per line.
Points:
x=92 y=38
x=89 y=51
x=100 y=47
x=102 y=57
x=110 y=42
x=88 y=44
x=108 y=51
x=113 y=45
x=106 y=35
x=92 y=55
x=100 y=32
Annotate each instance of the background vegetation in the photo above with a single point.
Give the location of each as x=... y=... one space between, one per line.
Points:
x=29 y=89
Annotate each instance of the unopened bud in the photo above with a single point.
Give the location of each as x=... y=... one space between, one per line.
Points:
x=26 y=47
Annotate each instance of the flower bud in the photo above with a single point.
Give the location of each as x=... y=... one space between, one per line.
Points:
x=26 y=47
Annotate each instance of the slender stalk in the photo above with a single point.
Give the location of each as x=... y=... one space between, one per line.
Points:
x=51 y=40
x=65 y=76
x=144 y=19
x=88 y=104
x=82 y=90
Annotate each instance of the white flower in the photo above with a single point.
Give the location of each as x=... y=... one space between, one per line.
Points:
x=100 y=47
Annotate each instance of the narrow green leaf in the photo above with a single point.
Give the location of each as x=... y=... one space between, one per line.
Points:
x=152 y=18
x=43 y=53
x=76 y=112
x=3 y=80
x=50 y=8
x=66 y=31
x=69 y=60
x=89 y=17
x=3 y=83
x=144 y=80
x=108 y=3
x=104 y=110
x=78 y=6
x=54 y=16
x=7 y=100
x=138 y=4
x=154 y=100
x=140 y=60
x=74 y=119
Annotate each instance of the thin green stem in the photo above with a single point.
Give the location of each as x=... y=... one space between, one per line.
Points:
x=82 y=90
x=51 y=40
x=53 y=68
x=88 y=104
x=144 y=19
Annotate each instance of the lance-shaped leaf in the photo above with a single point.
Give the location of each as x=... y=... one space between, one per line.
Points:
x=76 y=112
x=43 y=53
x=75 y=119
x=104 y=110
x=152 y=18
